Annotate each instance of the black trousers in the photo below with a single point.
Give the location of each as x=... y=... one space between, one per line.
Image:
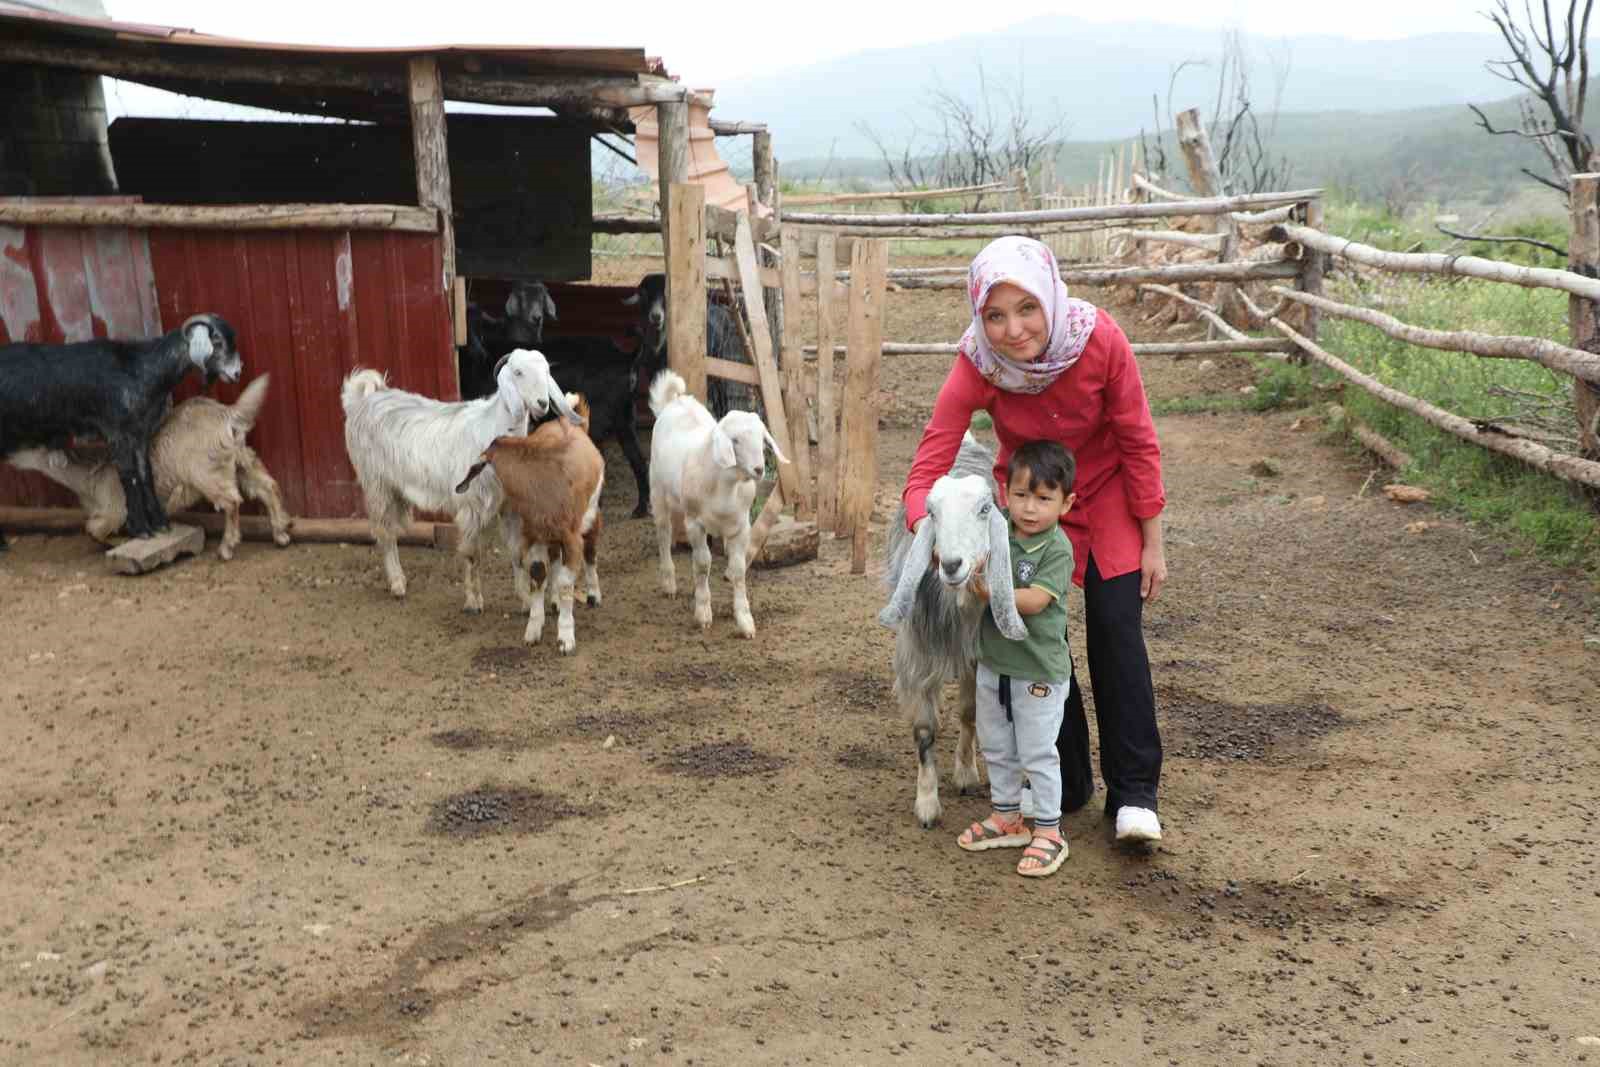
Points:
x=1124 y=701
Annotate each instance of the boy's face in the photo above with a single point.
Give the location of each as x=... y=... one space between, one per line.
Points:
x=1038 y=507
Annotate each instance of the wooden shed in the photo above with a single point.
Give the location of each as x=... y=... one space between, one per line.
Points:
x=326 y=245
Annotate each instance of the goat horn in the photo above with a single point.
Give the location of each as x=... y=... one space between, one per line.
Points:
x=1002 y=594
x=501 y=362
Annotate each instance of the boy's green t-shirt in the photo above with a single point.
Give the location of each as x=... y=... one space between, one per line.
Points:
x=1043 y=561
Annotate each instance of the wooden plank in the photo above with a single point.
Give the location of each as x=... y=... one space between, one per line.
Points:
x=794 y=392
x=458 y=313
x=425 y=96
x=223 y=217
x=252 y=527
x=145 y=554
x=733 y=372
x=686 y=286
x=868 y=266
x=672 y=156
x=761 y=338
x=726 y=268
x=827 y=405
x=1099 y=212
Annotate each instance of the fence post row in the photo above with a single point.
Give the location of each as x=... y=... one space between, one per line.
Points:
x=1583 y=257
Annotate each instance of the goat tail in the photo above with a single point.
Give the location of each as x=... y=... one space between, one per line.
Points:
x=361 y=383
x=580 y=407
x=666 y=388
x=248 y=407
x=472 y=472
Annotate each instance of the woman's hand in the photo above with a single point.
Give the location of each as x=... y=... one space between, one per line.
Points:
x=1152 y=561
x=979 y=582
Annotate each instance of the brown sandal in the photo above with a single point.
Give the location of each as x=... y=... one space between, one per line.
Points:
x=981 y=836
x=1045 y=853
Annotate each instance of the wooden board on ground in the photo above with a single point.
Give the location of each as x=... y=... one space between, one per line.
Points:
x=145 y=554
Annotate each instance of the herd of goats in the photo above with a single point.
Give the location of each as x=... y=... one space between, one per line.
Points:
x=519 y=447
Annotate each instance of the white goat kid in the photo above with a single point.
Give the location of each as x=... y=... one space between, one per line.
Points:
x=936 y=614
x=705 y=472
x=409 y=452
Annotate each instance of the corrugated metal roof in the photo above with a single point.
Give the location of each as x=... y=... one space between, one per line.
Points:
x=534 y=57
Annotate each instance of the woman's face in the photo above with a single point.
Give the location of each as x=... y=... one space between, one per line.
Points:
x=1014 y=323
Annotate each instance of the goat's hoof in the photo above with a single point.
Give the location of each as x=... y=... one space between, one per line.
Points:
x=281 y=538
x=472 y=609
x=398 y=590
x=224 y=553
x=746 y=629
x=641 y=512
x=566 y=645
x=593 y=600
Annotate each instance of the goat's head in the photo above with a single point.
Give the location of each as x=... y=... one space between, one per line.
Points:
x=526 y=309
x=523 y=382
x=737 y=443
x=651 y=300
x=213 y=348
x=967 y=530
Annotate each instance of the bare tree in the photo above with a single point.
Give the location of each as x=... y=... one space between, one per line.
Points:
x=1556 y=74
x=972 y=141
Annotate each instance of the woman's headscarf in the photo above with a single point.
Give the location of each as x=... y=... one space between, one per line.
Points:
x=1029 y=265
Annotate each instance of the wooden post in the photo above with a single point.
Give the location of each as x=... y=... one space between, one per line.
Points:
x=685 y=234
x=827 y=406
x=792 y=362
x=1583 y=257
x=428 y=145
x=869 y=268
x=766 y=170
x=672 y=162
x=1206 y=178
x=744 y=250
x=1312 y=270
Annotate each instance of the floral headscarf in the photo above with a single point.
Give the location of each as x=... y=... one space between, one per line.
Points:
x=1031 y=266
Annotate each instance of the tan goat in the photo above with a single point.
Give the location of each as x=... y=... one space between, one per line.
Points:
x=552 y=480
x=199 y=453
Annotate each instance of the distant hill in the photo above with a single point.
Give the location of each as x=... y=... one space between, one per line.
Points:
x=1101 y=77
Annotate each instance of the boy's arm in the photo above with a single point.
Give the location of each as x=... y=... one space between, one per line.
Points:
x=1033 y=599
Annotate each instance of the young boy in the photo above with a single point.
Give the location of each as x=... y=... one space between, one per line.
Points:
x=1022 y=685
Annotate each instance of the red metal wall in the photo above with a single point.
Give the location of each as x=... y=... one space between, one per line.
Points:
x=308 y=306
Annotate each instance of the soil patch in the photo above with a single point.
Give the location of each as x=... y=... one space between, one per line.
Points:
x=722 y=759
x=492 y=809
x=1201 y=727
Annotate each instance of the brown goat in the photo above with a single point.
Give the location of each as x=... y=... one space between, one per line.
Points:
x=552 y=480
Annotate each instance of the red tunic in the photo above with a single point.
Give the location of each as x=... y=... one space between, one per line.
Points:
x=1098 y=410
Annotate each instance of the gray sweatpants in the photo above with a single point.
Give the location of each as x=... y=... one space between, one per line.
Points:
x=1022 y=742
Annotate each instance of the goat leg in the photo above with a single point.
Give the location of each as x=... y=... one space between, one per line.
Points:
x=591 y=572
x=537 y=561
x=668 y=573
x=738 y=547
x=517 y=550
x=566 y=631
x=922 y=708
x=256 y=483
x=701 y=551
x=628 y=437
x=143 y=509
x=966 y=770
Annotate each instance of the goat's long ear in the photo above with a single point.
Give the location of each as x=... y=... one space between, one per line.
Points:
x=549 y=306
x=918 y=556
x=200 y=346
x=514 y=303
x=768 y=435
x=722 y=447
x=1002 y=594
x=507 y=391
x=559 y=399
x=631 y=301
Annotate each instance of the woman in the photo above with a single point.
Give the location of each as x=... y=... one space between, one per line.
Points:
x=1047 y=366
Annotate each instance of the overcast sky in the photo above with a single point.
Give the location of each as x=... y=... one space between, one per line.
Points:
x=728 y=42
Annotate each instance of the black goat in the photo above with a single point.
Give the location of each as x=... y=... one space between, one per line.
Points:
x=489 y=336
x=608 y=378
x=723 y=341
x=117 y=390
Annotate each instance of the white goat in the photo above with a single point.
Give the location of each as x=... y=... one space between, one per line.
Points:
x=706 y=472
x=409 y=451
x=199 y=453
x=936 y=614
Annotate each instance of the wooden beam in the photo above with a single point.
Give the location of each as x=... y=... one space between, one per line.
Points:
x=1109 y=276
x=1561 y=465
x=899 y=194
x=1140 y=348
x=733 y=372
x=672 y=159
x=1206 y=178
x=1212 y=206
x=766 y=168
x=1206 y=311
x=686 y=285
x=1554 y=355
x=24 y=212
x=761 y=342
x=868 y=264
x=252 y=527
x=726 y=128
x=623 y=224
x=827 y=406
x=1439 y=263
x=1374 y=442
x=426 y=99
x=794 y=392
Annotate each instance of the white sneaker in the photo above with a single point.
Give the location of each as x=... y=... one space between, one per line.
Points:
x=1137 y=824
x=1029 y=810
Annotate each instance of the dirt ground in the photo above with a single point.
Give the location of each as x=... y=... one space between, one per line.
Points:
x=259 y=812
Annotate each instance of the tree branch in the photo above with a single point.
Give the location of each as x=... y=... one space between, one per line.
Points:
x=1562 y=252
